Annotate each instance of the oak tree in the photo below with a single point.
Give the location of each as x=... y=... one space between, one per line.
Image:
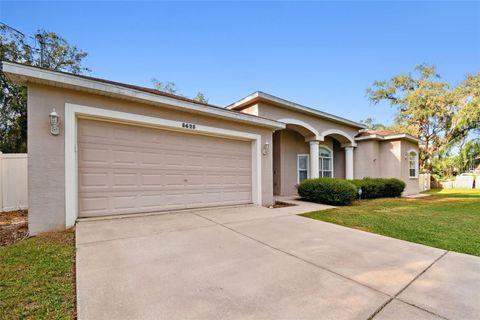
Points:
x=439 y=114
x=58 y=55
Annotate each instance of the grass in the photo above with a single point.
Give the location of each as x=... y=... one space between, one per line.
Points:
x=448 y=219
x=37 y=278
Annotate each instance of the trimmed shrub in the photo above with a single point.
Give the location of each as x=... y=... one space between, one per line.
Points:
x=371 y=188
x=394 y=187
x=327 y=190
x=379 y=188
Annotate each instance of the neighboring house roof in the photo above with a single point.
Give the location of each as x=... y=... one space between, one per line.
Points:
x=384 y=135
x=21 y=73
x=262 y=96
x=379 y=132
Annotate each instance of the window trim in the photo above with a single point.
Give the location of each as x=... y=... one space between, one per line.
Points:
x=298 y=165
x=319 y=162
x=416 y=164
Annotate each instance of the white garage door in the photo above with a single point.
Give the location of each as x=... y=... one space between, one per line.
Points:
x=125 y=169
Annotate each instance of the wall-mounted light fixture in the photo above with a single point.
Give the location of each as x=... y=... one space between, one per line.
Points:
x=266 y=148
x=54 y=120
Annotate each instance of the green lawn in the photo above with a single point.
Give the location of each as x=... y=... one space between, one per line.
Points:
x=448 y=219
x=37 y=278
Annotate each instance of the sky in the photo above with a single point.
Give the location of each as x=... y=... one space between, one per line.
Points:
x=319 y=54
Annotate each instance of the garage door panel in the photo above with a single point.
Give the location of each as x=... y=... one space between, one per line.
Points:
x=151 y=201
x=130 y=169
x=117 y=204
x=234 y=180
x=151 y=179
x=94 y=205
x=125 y=180
x=91 y=156
x=124 y=133
x=89 y=129
x=123 y=156
x=93 y=179
x=195 y=180
x=123 y=202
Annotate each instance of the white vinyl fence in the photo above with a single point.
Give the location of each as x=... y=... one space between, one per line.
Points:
x=424 y=181
x=461 y=182
x=13 y=181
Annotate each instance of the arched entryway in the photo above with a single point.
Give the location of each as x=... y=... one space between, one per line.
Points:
x=348 y=143
x=301 y=151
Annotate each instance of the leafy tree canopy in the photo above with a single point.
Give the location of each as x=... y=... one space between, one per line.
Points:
x=468 y=95
x=171 y=87
x=372 y=125
x=469 y=155
x=200 y=97
x=58 y=55
x=167 y=86
x=427 y=107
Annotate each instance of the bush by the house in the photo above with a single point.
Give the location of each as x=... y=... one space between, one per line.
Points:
x=371 y=188
x=379 y=188
x=328 y=191
x=394 y=187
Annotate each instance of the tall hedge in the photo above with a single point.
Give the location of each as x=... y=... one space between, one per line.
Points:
x=327 y=190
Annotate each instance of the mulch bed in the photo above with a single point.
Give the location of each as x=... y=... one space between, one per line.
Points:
x=13 y=226
x=281 y=204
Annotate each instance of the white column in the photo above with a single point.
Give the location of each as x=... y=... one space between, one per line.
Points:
x=314 y=169
x=349 y=163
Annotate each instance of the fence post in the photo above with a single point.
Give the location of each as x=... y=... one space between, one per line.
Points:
x=1 y=181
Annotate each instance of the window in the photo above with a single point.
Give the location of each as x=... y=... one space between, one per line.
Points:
x=302 y=167
x=412 y=164
x=325 y=162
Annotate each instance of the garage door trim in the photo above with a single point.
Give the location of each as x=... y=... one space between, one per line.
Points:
x=74 y=111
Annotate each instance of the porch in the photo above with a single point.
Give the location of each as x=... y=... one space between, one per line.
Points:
x=301 y=153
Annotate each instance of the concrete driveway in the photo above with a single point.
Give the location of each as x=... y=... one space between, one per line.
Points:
x=258 y=263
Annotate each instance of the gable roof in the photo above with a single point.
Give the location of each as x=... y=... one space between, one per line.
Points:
x=23 y=74
x=384 y=135
x=262 y=96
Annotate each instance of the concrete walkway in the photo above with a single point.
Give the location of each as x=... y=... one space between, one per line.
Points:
x=258 y=263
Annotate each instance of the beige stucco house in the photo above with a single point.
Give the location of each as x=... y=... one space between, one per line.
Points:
x=123 y=149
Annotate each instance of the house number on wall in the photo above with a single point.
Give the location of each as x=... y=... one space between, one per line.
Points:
x=188 y=125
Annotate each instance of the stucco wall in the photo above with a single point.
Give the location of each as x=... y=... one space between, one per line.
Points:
x=412 y=183
x=288 y=145
x=46 y=162
x=277 y=113
x=338 y=160
x=390 y=159
x=253 y=110
x=293 y=144
x=366 y=159
x=385 y=159
x=277 y=161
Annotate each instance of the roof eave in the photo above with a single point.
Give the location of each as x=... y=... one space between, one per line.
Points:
x=262 y=96
x=402 y=136
x=23 y=74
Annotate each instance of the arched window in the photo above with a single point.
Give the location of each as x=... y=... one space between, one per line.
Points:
x=413 y=164
x=325 y=162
